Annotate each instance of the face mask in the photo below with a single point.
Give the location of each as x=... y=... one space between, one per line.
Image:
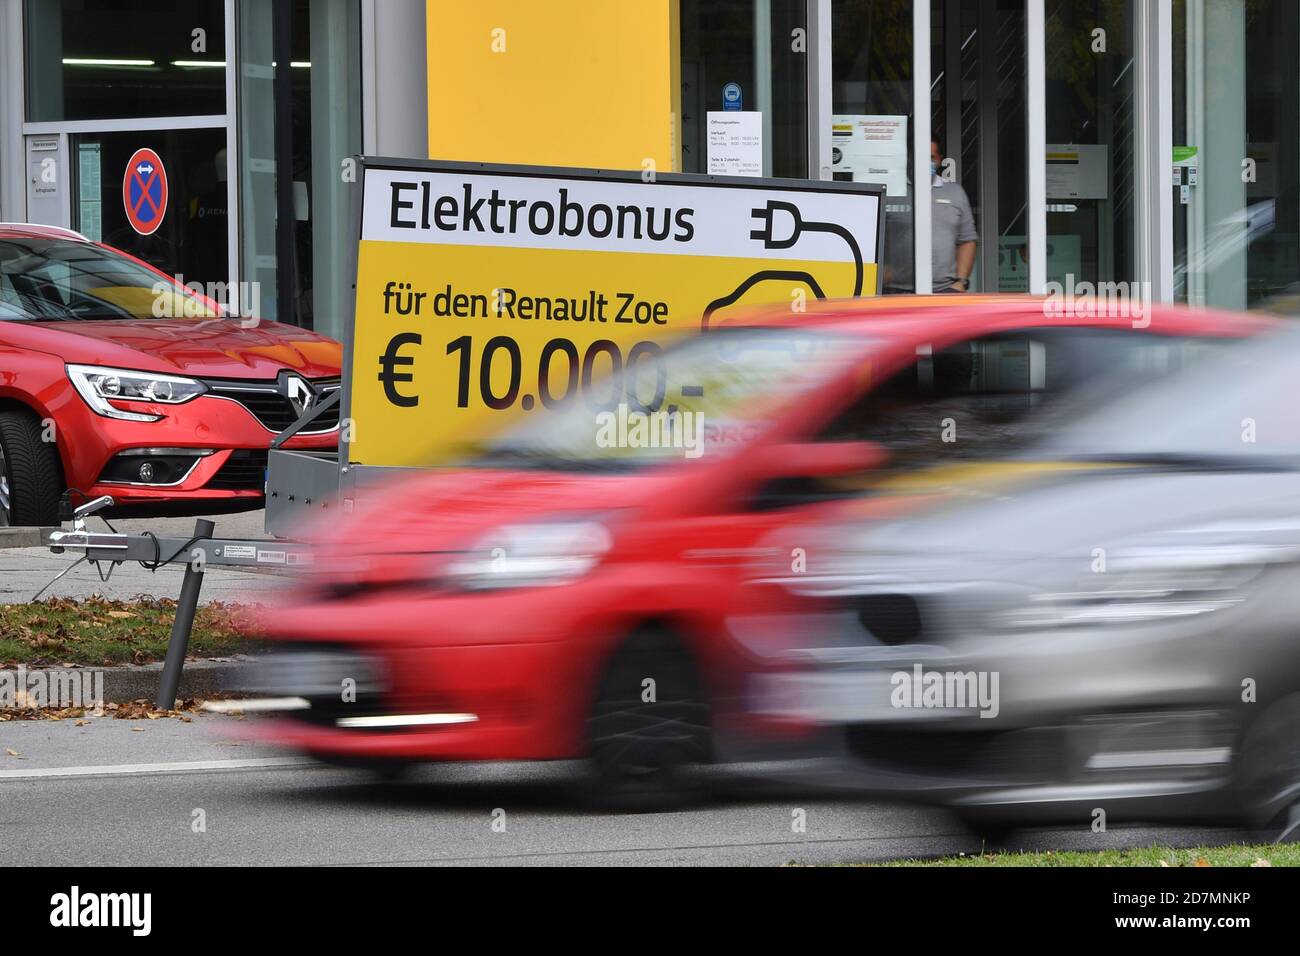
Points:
x=934 y=169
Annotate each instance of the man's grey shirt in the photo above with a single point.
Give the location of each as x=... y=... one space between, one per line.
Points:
x=951 y=223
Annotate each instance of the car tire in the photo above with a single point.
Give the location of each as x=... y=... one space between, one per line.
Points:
x=647 y=741
x=30 y=476
x=1268 y=777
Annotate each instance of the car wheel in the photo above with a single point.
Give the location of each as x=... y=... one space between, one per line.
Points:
x=1269 y=775
x=30 y=481
x=649 y=725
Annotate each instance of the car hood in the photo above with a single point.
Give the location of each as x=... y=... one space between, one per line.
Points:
x=1073 y=514
x=216 y=348
x=449 y=510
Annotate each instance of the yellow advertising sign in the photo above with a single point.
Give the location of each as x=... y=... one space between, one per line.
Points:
x=486 y=293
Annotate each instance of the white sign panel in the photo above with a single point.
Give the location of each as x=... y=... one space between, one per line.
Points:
x=1077 y=172
x=475 y=209
x=735 y=143
x=868 y=148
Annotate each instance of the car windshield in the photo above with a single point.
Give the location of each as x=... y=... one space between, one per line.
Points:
x=713 y=392
x=1237 y=406
x=62 y=279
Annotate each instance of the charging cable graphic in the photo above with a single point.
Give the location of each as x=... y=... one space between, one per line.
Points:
x=765 y=233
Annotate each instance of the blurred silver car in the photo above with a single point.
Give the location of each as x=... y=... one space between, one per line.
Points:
x=1109 y=623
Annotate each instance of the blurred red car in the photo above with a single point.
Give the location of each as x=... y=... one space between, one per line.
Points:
x=559 y=598
x=167 y=415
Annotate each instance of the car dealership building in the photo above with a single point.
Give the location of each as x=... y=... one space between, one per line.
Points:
x=1148 y=142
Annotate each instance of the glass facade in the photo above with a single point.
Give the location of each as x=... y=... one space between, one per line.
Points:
x=300 y=256
x=978 y=118
x=107 y=59
x=191 y=241
x=871 y=102
x=1236 y=122
x=105 y=78
x=1091 y=139
x=257 y=158
x=757 y=48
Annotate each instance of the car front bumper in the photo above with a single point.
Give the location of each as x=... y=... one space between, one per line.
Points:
x=228 y=442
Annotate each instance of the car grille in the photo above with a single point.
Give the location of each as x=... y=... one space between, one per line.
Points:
x=890 y=618
x=244 y=470
x=1034 y=754
x=273 y=409
x=318 y=673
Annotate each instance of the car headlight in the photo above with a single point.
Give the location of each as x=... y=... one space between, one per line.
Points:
x=98 y=385
x=530 y=555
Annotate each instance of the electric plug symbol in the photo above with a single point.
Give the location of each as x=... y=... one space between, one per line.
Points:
x=765 y=232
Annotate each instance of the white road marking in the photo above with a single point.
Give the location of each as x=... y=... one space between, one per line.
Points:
x=181 y=766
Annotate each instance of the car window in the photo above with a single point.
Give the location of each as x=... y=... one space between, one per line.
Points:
x=1235 y=408
x=61 y=279
x=990 y=396
x=712 y=393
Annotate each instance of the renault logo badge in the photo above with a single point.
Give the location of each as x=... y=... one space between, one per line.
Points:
x=299 y=392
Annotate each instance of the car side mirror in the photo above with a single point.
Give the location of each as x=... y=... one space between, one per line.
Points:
x=822 y=459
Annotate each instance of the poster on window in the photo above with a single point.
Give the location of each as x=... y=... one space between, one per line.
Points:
x=869 y=148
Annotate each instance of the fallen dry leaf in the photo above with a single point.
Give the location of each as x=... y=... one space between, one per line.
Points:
x=11 y=752
x=1201 y=861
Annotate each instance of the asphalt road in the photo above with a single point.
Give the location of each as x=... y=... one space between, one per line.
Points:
x=126 y=792
x=24 y=571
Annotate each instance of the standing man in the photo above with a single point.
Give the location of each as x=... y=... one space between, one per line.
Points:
x=953 y=237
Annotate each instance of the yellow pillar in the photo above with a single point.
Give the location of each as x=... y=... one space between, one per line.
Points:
x=591 y=83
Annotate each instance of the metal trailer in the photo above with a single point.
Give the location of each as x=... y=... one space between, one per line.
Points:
x=197 y=552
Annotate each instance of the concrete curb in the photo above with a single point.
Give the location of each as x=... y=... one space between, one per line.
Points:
x=200 y=678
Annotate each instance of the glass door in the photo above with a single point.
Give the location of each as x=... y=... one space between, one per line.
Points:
x=1236 y=124
x=1091 y=142
x=134 y=96
x=978 y=113
x=190 y=239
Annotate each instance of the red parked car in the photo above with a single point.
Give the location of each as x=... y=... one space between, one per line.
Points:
x=167 y=415
x=556 y=597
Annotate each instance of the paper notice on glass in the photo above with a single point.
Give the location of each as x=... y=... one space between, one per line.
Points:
x=870 y=149
x=1077 y=172
x=735 y=143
